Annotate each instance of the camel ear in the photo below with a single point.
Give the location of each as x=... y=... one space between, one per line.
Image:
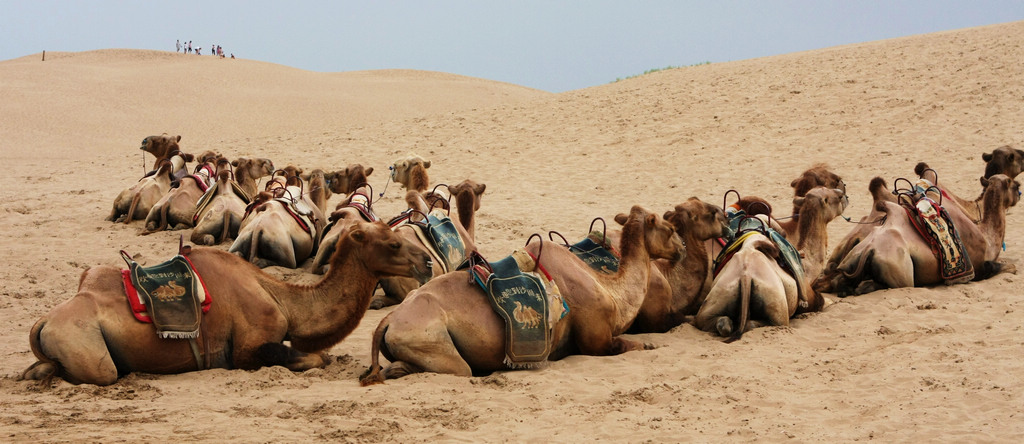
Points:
x=234 y=163
x=621 y=218
x=798 y=201
x=986 y=157
x=480 y=188
x=984 y=182
x=358 y=235
x=426 y=164
x=368 y=171
x=651 y=219
x=305 y=176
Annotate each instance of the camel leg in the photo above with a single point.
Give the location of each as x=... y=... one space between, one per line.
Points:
x=76 y=342
x=422 y=344
x=276 y=353
x=718 y=302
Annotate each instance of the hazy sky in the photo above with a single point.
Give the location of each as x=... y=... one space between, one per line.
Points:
x=550 y=45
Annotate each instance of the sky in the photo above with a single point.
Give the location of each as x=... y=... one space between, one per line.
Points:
x=549 y=45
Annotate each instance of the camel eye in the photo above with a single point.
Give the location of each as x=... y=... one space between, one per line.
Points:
x=395 y=245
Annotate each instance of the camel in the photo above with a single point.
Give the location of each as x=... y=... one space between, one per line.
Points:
x=411 y=172
x=249 y=170
x=1004 y=160
x=345 y=214
x=162 y=147
x=92 y=338
x=448 y=326
x=753 y=287
x=281 y=226
x=318 y=190
x=683 y=289
x=346 y=181
x=818 y=207
x=397 y=288
x=822 y=283
x=176 y=207
x=895 y=255
x=219 y=219
x=467 y=202
x=135 y=202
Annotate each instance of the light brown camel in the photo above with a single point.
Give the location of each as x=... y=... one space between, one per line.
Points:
x=162 y=147
x=317 y=189
x=135 y=202
x=751 y=287
x=396 y=289
x=248 y=172
x=281 y=226
x=176 y=207
x=818 y=207
x=448 y=326
x=219 y=219
x=411 y=172
x=344 y=215
x=822 y=283
x=467 y=196
x=817 y=176
x=93 y=338
x=1004 y=160
x=895 y=255
x=695 y=222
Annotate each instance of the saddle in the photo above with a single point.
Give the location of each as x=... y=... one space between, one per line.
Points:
x=935 y=226
x=171 y=296
x=527 y=298
x=439 y=234
x=595 y=250
x=741 y=228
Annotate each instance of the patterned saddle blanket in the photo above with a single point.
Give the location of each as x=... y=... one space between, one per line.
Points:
x=526 y=297
x=595 y=251
x=935 y=226
x=439 y=234
x=170 y=295
x=742 y=227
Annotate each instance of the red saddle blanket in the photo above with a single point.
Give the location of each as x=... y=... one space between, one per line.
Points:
x=937 y=229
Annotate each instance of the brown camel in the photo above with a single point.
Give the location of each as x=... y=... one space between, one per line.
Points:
x=397 y=288
x=752 y=287
x=219 y=219
x=411 y=172
x=317 y=189
x=249 y=170
x=346 y=181
x=162 y=147
x=467 y=202
x=135 y=202
x=176 y=207
x=894 y=254
x=344 y=215
x=92 y=338
x=281 y=227
x=695 y=222
x=818 y=207
x=1003 y=160
x=879 y=193
x=448 y=326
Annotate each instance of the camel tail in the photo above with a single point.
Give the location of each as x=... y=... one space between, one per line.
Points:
x=374 y=374
x=131 y=208
x=226 y=228
x=45 y=368
x=746 y=286
x=861 y=262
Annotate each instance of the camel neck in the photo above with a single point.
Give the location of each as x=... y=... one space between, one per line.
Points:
x=465 y=204
x=322 y=314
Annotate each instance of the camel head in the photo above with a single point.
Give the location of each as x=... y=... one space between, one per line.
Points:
x=162 y=146
x=411 y=172
x=292 y=176
x=223 y=164
x=816 y=176
x=468 y=188
x=347 y=180
x=1004 y=160
x=1001 y=190
x=697 y=218
x=384 y=252
x=660 y=236
x=829 y=203
x=254 y=168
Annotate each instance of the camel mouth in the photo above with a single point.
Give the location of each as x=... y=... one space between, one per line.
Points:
x=423 y=276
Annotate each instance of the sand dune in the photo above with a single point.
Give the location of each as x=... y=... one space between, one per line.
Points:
x=924 y=364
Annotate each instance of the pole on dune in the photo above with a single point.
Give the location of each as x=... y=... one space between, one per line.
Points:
x=44 y=55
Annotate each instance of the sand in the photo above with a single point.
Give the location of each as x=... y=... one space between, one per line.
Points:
x=921 y=364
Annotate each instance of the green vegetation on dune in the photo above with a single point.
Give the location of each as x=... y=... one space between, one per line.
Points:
x=660 y=69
